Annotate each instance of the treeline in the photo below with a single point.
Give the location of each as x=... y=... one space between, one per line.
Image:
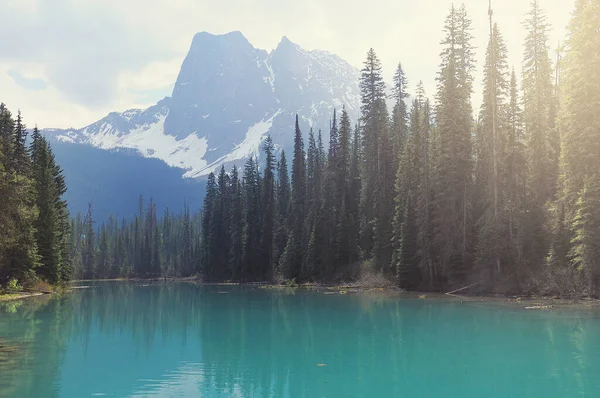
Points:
x=427 y=196
x=148 y=246
x=34 y=220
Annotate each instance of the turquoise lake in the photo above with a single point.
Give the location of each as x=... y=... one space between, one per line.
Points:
x=118 y=339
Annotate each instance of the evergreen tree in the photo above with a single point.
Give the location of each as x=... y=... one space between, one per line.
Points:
x=293 y=256
x=353 y=204
x=491 y=250
x=268 y=210
x=399 y=114
x=18 y=249
x=283 y=203
x=423 y=203
x=408 y=263
x=221 y=218
x=542 y=158
x=377 y=196
x=516 y=179
x=579 y=123
x=253 y=267
x=47 y=221
x=209 y=239
x=236 y=226
x=343 y=193
x=188 y=263
x=88 y=245
x=453 y=151
x=413 y=199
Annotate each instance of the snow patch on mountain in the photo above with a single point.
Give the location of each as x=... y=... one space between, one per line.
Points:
x=254 y=137
x=251 y=146
x=228 y=97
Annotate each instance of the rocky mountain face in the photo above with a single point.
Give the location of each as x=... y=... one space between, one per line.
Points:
x=228 y=97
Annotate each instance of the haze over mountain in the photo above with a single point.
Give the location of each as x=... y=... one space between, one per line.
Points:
x=228 y=97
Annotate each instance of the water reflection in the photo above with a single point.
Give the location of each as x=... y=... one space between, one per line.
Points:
x=170 y=340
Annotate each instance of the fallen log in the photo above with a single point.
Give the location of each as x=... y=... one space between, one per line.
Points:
x=464 y=288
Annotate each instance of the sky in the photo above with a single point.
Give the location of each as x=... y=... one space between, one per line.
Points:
x=68 y=63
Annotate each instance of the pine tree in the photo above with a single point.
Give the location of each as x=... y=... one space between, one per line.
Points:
x=253 y=267
x=209 y=240
x=516 y=178
x=585 y=244
x=412 y=243
x=317 y=223
x=236 y=226
x=353 y=203
x=293 y=256
x=399 y=128
x=46 y=224
x=18 y=248
x=579 y=123
x=103 y=266
x=268 y=210
x=189 y=262
x=88 y=245
x=377 y=196
x=538 y=112
x=343 y=241
x=20 y=155
x=453 y=157
x=283 y=204
x=221 y=218
x=423 y=204
x=491 y=250
x=408 y=262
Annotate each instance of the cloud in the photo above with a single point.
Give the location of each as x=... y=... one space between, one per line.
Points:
x=97 y=56
x=30 y=83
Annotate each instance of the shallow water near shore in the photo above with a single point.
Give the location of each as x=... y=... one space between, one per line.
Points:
x=125 y=339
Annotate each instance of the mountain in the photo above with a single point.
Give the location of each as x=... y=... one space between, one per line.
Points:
x=228 y=97
x=113 y=181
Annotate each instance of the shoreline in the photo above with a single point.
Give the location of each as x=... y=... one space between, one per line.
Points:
x=523 y=302
x=20 y=296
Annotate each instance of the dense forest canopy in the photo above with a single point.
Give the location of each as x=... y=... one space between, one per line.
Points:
x=427 y=195
x=34 y=220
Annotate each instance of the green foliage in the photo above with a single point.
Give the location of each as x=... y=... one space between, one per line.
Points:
x=34 y=217
x=13 y=286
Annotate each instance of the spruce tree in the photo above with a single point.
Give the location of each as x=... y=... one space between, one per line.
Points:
x=209 y=240
x=453 y=150
x=18 y=249
x=236 y=226
x=268 y=210
x=492 y=236
x=399 y=128
x=293 y=256
x=88 y=244
x=579 y=123
x=538 y=113
x=283 y=203
x=253 y=267
x=377 y=195
x=516 y=173
x=341 y=253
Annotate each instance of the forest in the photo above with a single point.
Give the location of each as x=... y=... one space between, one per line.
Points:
x=431 y=196
x=34 y=220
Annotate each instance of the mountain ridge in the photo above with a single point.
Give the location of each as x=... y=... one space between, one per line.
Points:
x=227 y=98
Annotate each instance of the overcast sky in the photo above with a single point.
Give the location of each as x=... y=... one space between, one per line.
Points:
x=67 y=63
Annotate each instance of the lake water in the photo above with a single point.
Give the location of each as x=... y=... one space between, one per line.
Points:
x=120 y=339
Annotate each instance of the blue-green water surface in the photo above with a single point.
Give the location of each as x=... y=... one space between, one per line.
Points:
x=119 y=339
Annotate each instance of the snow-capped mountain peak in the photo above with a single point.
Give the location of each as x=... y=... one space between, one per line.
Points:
x=228 y=97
